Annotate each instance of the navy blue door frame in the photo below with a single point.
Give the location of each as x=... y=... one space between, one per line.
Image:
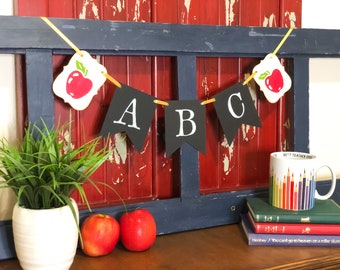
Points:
x=31 y=37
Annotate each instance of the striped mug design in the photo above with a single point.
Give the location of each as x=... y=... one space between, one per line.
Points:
x=292 y=181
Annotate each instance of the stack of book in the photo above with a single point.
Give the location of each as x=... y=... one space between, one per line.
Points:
x=266 y=225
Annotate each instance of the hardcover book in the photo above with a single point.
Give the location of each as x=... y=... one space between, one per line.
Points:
x=294 y=228
x=324 y=211
x=265 y=239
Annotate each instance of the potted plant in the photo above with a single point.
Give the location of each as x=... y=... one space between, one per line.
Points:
x=43 y=170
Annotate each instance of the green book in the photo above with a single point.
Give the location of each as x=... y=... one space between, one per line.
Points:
x=324 y=211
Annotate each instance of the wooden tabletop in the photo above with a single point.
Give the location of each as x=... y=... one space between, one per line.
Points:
x=214 y=248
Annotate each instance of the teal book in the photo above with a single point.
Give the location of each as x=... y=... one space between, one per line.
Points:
x=324 y=211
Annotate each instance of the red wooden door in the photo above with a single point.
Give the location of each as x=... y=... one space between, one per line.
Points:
x=149 y=175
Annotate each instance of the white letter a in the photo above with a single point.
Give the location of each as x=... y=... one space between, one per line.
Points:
x=133 y=115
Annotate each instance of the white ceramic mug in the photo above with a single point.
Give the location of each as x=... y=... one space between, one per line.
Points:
x=293 y=180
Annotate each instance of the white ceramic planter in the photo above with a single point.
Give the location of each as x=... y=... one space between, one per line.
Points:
x=45 y=239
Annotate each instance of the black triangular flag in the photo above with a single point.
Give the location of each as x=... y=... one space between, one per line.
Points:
x=184 y=122
x=131 y=111
x=234 y=107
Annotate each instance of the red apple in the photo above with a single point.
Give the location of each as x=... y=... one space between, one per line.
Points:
x=76 y=85
x=274 y=82
x=137 y=230
x=100 y=234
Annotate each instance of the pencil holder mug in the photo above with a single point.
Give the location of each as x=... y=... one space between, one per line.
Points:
x=293 y=180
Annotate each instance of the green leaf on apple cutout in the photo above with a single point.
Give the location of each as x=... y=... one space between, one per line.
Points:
x=264 y=75
x=81 y=67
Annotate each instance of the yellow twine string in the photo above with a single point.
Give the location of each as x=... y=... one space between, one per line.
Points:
x=249 y=78
x=205 y=102
x=161 y=102
x=282 y=41
x=65 y=38
x=75 y=48
x=156 y=101
x=278 y=47
x=111 y=79
x=254 y=73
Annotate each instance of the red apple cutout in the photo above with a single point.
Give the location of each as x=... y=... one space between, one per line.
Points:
x=272 y=78
x=77 y=86
x=138 y=230
x=100 y=234
x=274 y=82
x=80 y=80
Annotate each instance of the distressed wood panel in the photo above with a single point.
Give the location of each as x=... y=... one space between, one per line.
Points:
x=150 y=175
x=31 y=8
x=191 y=210
x=135 y=170
x=166 y=177
x=254 y=143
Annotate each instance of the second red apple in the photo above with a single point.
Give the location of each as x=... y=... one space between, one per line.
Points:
x=137 y=230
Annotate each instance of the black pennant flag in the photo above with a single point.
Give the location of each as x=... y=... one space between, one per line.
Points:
x=234 y=107
x=131 y=111
x=184 y=122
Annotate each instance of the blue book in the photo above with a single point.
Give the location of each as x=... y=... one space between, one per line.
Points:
x=259 y=239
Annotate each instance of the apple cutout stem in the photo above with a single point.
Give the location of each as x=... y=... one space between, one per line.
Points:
x=264 y=75
x=80 y=66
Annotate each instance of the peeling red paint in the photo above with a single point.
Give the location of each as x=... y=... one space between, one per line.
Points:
x=89 y=10
x=150 y=175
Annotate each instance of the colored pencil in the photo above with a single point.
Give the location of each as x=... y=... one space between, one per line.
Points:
x=284 y=192
x=292 y=184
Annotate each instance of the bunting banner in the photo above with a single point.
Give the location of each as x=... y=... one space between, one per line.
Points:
x=130 y=111
x=234 y=107
x=184 y=123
